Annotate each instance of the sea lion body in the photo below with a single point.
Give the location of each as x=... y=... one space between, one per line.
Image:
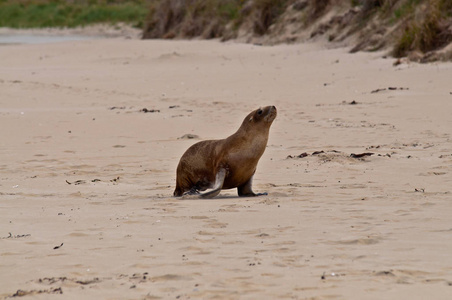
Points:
x=227 y=163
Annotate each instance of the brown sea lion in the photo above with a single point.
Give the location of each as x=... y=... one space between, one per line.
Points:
x=228 y=163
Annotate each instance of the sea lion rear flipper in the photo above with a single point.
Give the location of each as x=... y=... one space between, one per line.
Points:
x=219 y=180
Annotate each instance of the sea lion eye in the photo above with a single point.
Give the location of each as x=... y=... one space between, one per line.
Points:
x=259 y=112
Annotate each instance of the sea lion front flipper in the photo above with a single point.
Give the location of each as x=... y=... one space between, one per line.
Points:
x=245 y=190
x=219 y=180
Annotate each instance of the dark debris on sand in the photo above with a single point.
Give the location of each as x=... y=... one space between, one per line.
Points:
x=352 y=155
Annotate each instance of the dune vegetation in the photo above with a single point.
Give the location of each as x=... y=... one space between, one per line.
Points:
x=71 y=13
x=419 y=29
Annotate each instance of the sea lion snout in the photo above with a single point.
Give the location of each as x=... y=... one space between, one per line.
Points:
x=271 y=114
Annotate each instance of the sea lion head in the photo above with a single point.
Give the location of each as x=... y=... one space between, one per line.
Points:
x=264 y=115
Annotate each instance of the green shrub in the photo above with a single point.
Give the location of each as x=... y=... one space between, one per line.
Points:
x=47 y=13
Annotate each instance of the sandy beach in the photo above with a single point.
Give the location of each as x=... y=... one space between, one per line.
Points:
x=86 y=176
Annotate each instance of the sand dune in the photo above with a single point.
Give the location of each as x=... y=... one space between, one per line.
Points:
x=86 y=176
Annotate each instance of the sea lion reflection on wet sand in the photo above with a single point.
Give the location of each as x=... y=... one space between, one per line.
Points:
x=228 y=163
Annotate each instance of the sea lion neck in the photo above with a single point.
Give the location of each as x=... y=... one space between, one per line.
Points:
x=251 y=128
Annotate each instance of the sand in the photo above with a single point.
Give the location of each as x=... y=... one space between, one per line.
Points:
x=86 y=177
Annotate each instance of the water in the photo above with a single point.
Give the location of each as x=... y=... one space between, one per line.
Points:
x=40 y=39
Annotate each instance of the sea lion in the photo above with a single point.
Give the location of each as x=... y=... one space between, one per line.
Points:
x=228 y=163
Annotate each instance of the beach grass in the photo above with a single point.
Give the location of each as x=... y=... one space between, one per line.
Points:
x=427 y=32
x=70 y=14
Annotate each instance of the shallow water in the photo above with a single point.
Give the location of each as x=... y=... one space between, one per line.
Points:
x=41 y=39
